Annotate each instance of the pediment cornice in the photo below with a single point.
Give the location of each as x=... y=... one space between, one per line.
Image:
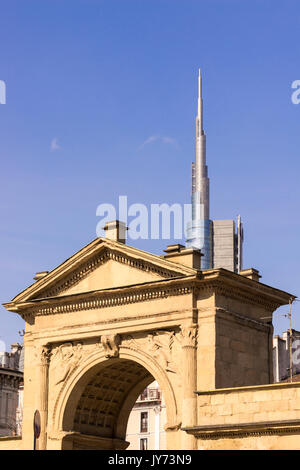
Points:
x=99 y=252
x=199 y=285
x=90 y=265
x=105 y=298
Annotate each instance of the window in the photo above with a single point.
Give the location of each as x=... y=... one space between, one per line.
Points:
x=144 y=444
x=144 y=394
x=154 y=393
x=144 y=421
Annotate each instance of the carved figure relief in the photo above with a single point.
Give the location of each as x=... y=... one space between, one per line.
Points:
x=159 y=346
x=68 y=357
x=162 y=345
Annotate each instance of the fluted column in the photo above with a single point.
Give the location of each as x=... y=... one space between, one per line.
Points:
x=43 y=394
x=189 y=383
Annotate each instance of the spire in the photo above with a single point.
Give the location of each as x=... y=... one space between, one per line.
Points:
x=201 y=181
x=199 y=229
x=200 y=109
x=203 y=233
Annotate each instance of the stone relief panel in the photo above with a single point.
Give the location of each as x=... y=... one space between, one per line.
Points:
x=166 y=347
x=162 y=345
x=65 y=358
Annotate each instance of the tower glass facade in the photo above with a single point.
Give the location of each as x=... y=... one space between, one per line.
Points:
x=220 y=246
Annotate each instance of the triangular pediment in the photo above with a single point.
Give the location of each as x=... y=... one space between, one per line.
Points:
x=108 y=270
x=103 y=264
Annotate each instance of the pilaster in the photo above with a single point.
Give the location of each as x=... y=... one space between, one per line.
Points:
x=43 y=394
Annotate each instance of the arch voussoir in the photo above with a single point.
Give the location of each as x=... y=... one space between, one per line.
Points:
x=96 y=398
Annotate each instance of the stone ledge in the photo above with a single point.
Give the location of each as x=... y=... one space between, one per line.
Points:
x=249 y=388
x=10 y=438
x=245 y=429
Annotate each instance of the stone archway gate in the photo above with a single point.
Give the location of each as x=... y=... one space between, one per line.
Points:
x=112 y=318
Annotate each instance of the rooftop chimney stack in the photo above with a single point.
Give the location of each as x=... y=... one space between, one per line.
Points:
x=115 y=231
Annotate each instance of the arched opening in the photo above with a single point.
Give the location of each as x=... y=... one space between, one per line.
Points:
x=98 y=408
x=147 y=421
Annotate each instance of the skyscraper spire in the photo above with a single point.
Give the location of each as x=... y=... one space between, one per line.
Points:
x=201 y=177
x=199 y=232
x=200 y=99
x=217 y=240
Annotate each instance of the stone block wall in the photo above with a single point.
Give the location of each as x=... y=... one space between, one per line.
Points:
x=11 y=443
x=243 y=354
x=276 y=402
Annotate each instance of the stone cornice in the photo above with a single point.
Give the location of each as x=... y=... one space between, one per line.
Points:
x=11 y=372
x=104 y=298
x=67 y=266
x=11 y=380
x=250 y=388
x=235 y=286
x=89 y=258
x=84 y=270
x=266 y=428
x=10 y=438
x=229 y=315
x=220 y=282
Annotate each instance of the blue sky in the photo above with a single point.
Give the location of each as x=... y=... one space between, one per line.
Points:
x=89 y=81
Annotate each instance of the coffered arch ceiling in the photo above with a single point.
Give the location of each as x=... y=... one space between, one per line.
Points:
x=108 y=397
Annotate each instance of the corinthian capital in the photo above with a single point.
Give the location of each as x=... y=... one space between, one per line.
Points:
x=188 y=336
x=45 y=355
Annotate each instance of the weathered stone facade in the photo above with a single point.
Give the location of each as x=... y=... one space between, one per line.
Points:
x=111 y=319
x=258 y=417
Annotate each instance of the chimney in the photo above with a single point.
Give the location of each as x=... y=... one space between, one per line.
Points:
x=116 y=231
x=251 y=273
x=40 y=275
x=190 y=257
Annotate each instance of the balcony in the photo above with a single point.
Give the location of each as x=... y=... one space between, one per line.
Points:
x=149 y=394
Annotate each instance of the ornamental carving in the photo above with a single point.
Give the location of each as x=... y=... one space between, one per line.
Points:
x=45 y=355
x=188 y=336
x=89 y=266
x=172 y=426
x=162 y=345
x=110 y=345
x=66 y=357
x=107 y=299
